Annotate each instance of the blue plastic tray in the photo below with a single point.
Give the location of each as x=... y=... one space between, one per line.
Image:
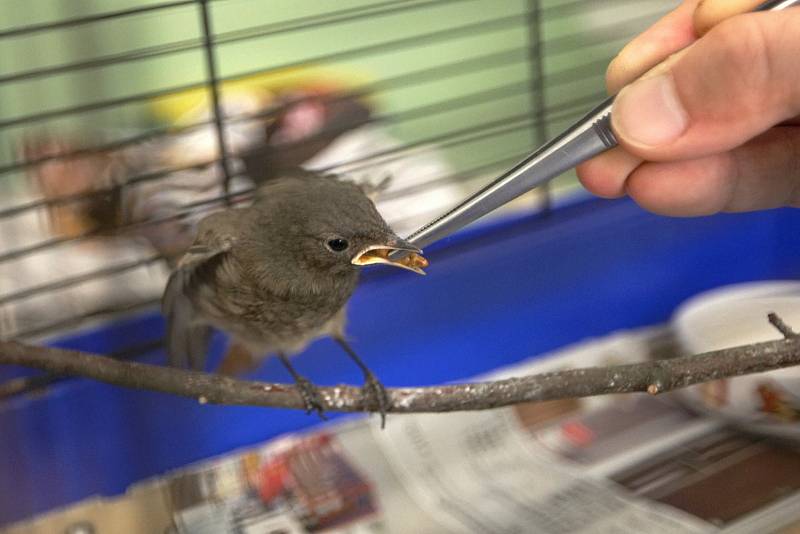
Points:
x=493 y=296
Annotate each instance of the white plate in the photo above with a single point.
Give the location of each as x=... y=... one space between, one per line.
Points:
x=736 y=315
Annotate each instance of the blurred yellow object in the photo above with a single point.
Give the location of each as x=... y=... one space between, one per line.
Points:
x=178 y=108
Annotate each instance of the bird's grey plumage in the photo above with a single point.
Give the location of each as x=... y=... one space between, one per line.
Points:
x=187 y=333
x=264 y=273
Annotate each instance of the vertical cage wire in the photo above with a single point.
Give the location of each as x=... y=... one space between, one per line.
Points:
x=213 y=87
x=538 y=80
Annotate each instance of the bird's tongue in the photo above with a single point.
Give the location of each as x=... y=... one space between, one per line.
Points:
x=411 y=261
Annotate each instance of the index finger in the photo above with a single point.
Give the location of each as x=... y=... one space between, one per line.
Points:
x=675 y=31
x=711 y=12
x=670 y=34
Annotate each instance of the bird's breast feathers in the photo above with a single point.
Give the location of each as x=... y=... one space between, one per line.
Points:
x=274 y=319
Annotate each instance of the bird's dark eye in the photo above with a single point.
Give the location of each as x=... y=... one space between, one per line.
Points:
x=338 y=244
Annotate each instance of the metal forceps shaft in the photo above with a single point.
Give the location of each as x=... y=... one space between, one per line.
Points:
x=585 y=139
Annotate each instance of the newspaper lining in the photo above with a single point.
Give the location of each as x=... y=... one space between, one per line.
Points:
x=628 y=463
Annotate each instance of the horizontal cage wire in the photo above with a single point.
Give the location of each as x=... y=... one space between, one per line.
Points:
x=132 y=120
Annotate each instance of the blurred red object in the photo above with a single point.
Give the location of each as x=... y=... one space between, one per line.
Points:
x=317 y=479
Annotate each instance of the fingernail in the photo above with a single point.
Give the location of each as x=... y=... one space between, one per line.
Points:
x=648 y=112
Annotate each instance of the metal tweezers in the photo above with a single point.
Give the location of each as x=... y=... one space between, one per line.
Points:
x=585 y=139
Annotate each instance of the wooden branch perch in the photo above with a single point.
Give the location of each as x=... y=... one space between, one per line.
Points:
x=652 y=376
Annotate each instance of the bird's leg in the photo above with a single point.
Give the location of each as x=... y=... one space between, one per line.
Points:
x=373 y=390
x=307 y=389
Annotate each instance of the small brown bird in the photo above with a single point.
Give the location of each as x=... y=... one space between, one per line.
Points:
x=278 y=274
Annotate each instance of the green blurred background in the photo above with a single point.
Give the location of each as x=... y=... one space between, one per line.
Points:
x=501 y=97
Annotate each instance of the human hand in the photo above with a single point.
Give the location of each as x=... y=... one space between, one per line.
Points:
x=716 y=126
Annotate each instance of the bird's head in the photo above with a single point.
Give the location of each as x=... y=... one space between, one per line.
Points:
x=332 y=226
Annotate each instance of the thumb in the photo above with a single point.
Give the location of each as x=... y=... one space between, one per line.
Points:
x=731 y=85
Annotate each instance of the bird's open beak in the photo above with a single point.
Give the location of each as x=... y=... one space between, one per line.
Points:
x=411 y=260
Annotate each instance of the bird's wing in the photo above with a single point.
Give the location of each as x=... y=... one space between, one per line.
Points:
x=187 y=334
